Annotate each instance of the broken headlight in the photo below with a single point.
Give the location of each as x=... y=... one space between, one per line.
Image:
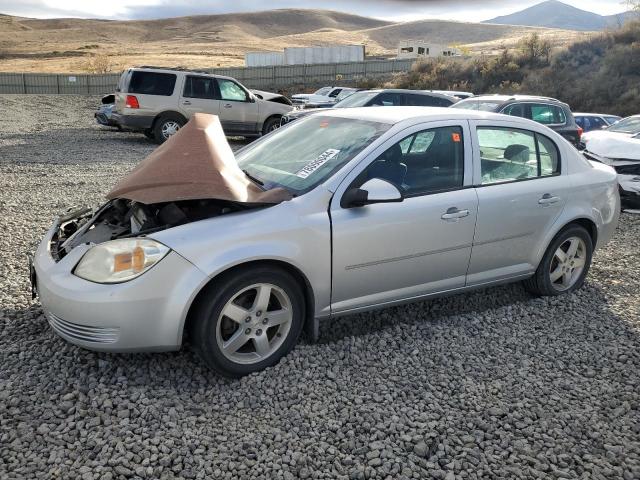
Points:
x=120 y=260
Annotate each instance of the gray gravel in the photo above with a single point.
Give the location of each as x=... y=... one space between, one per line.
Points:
x=493 y=384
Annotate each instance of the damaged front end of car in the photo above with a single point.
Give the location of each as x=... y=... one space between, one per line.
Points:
x=191 y=177
x=121 y=218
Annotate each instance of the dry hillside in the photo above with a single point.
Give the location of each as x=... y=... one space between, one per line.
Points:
x=65 y=45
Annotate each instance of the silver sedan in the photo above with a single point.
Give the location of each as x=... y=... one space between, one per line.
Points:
x=386 y=206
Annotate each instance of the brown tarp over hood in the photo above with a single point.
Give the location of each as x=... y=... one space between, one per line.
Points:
x=194 y=164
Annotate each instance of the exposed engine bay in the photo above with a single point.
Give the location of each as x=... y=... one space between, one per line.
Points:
x=122 y=218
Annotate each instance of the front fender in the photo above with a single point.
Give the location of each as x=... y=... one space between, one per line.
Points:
x=296 y=232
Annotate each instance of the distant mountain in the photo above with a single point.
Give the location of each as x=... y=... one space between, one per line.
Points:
x=555 y=14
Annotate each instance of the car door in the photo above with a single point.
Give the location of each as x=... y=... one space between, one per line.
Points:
x=199 y=96
x=521 y=190
x=391 y=252
x=239 y=111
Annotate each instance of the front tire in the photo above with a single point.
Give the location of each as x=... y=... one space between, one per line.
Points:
x=564 y=265
x=270 y=125
x=248 y=320
x=166 y=126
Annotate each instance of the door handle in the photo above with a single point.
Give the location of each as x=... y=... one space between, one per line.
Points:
x=454 y=214
x=186 y=102
x=548 y=199
x=227 y=105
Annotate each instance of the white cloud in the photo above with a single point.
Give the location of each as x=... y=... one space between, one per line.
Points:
x=464 y=10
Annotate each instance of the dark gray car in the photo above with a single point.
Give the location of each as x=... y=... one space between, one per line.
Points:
x=548 y=111
x=381 y=98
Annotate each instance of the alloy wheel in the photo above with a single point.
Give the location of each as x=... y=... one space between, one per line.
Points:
x=567 y=263
x=169 y=128
x=254 y=323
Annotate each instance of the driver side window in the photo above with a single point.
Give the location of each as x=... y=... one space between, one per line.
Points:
x=230 y=90
x=425 y=162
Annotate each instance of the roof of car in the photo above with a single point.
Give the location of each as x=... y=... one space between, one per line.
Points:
x=403 y=90
x=186 y=71
x=510 y=98
x=393 y=115
x=580 y=114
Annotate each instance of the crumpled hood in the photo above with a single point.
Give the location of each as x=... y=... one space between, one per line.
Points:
x=196 y=163
x=271 y=97
x=613 y=145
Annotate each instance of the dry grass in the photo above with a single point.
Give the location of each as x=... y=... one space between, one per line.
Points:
x=69 y=45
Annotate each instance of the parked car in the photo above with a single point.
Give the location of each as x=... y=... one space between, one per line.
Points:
x=158 y=101
x=344 y=211
x=594 y=121
x=324 y=94
x=455 y=93
x=330 y=102
x=384 y=98
x=619 y=146
x=105 y=111
x=548 y=111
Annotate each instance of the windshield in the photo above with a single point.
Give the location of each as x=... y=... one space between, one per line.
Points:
x=626 y=125
x=358 y=99
x=482 y=105
x=344 y=94
x=308 y=151
x=322 y=91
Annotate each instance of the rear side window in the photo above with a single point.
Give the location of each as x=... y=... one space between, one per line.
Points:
x=200 y=87
x=509 y=155
x=548 y=114
x=152 y=83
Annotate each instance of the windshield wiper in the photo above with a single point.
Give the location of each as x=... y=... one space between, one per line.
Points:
x=252 y=178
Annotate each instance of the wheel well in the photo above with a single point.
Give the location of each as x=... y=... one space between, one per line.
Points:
x=275 y=115
x=169 y=113
x=589 y=226
x=309 y=322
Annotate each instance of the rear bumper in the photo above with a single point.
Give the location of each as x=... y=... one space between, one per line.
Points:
x=132 y=122
x=102 y=119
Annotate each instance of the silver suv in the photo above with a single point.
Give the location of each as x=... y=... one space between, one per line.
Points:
x=158 y=101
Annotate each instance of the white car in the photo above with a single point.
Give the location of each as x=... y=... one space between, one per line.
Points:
x=619 y=147
x=323 y=95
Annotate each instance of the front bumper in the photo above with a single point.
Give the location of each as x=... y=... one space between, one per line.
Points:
x=629 y=190
x=144 y=314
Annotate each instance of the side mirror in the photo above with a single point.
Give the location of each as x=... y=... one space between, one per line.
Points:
x=375 y=190
x=252 y=98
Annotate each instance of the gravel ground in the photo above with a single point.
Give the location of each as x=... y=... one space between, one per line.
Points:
x=492 y=384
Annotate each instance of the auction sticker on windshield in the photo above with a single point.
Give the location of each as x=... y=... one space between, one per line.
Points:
x=314 y=165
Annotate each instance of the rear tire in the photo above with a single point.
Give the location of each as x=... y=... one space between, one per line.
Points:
x=247 y=320
x=270 y=125
x=565 y=264
x=166 y=126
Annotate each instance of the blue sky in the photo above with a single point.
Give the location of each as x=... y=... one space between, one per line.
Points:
x=464 y=10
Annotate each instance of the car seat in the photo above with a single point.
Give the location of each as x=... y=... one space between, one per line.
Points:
x=389 y=166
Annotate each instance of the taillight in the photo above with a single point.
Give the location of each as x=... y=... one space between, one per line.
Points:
x=580 y=132
x=132 y=102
